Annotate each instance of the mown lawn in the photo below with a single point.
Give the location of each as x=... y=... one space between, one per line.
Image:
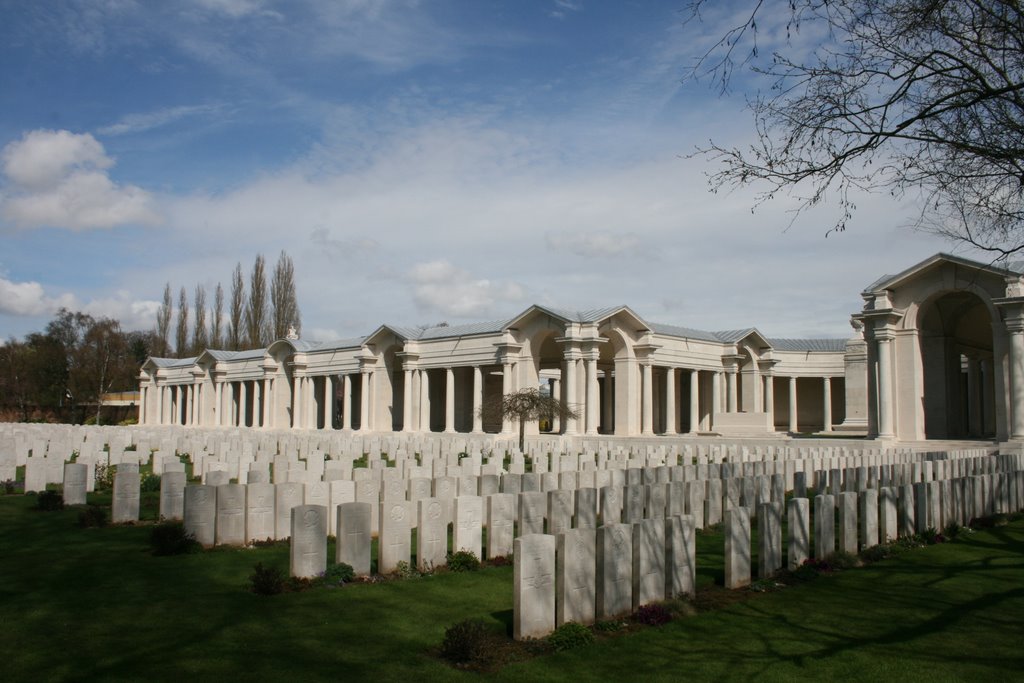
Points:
x=94 y=604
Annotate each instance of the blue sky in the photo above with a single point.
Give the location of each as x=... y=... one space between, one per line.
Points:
x=420 y=162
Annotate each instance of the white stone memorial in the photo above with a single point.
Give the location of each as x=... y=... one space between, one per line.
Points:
x=533 y=586
x=308 y=544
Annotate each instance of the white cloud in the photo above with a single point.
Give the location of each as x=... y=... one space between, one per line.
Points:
x=59 y=179
x=30 y=299
x=237 y=8
x=440 y=287
x=138 y=123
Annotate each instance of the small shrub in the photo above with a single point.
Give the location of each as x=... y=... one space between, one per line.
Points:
x=404 y=570
x=92 y=516
x=843 y=560
x=652 y=615
x=127 y=422
x=876 y=553
x=338 y=575
x=931 y=536
x=267 y=580
x=465 y=642
x=500 y=561
x=1000 y=520
x=104 y=477
x=49 y=501
x=12 y=486
x=150 y=483
x=610 y=626
x=170 y=538
x=463 y=561
x=570 y=635
x=952 y=530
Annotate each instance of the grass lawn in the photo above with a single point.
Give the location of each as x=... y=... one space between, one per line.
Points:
x=93 y=604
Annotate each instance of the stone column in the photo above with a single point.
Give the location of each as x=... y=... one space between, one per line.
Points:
x=159 y=412
x=793 y=426
x=478 y=399
x=268 y=403
x=506 y=389
x=670 y=401
x=885 y=398
x=716 y=394
x=257 y=402
x=346 y=402
x=607 y=417
x=988 y=421
x=449 y=400
x=593 y=402
x=647 y=404
x=827 y=409
x=569 y=388
x=218 y=403
x=1016 y=330
x=364 y=400
x=556 y=391
x=694 y=401
x=769 y=400
x=732 y=395
x=296 y=402
x=326 y=414
x=141 y=417
x=424 y=401
x=243 y=404
x=406 y=399
x=332 y=400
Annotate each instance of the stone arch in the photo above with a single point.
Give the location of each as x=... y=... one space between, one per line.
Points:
x=957 y=364
x=618 y=361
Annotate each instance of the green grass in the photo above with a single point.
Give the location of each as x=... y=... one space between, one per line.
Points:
x=93 y=604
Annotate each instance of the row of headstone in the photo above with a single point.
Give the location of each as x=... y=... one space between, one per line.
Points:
x=586 y=575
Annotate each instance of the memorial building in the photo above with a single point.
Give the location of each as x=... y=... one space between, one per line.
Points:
x=937 y=353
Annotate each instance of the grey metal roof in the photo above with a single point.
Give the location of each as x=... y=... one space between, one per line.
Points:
x=442 y=331
x=236 y=355
x=813 y=345
x=1015 y=267
x=591 y=315
x=685 y=332
x=173 y=362
x=733 y=336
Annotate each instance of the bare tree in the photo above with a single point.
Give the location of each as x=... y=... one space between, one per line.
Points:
x=525 y=405
x=199 y=339
x=902 y=96
x=217 y=323
x=236 y=310
x=283 y=301
x=257 y=325
x=181 y=333
x=163 y=322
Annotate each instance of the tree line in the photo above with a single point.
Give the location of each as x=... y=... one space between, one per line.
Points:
x=255 y=316
x=61 y=372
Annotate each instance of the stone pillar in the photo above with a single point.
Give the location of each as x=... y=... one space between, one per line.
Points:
x=988 y=414
x=309 y=411
x=268 y=402
x=424 y=401
x=332 y=401
x=243 y=404
x=593 y=402
x=346 y=402
x=885 y=398
x=218 y=403
x=296 y=402
x=569 y=388
x=1016 y=406
x=478 y=399
x=827 y=403
x=769 y=400
x=716 y=393
x=670 y=401
x=364 y=400
x=506 y=389
x=647 y=404
x=793 y=426
x=449 y=400
x=159 y=391
x=325 y=407
x=694 y=401
x=257 y=402
x=406 y=399
x=731 y=394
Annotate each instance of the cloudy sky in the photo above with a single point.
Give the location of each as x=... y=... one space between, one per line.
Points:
x=420 y=161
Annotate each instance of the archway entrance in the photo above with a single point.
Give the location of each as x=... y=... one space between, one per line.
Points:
x=955 y=332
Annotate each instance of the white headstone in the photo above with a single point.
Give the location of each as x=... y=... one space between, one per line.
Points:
x=308 y=540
